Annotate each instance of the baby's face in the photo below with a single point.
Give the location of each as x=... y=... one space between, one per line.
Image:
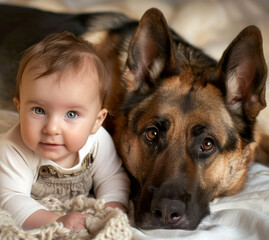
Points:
x=58 y=112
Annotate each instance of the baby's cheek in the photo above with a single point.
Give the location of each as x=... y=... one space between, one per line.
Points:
x=74 y=142
x=30 y=137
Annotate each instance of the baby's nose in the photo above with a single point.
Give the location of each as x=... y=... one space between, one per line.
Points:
x=52 y=127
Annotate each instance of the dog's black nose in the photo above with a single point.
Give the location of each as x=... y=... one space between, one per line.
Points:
x=167 y=211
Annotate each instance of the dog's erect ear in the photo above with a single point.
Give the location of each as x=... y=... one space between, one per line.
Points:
x=151 y=53
x=244 y=71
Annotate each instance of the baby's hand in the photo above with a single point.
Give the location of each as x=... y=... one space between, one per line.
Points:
x=116 y=205
x=74 y=220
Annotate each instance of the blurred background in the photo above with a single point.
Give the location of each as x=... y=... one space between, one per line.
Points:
x=208 y=24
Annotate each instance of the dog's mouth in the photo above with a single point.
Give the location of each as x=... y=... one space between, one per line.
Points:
x=149 y=222
x=176 y=211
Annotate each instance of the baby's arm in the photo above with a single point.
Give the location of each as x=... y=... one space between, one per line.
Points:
x=39 y=218
x=116 y=205
x=110 y=179
x=42 y=217
x=16 y=179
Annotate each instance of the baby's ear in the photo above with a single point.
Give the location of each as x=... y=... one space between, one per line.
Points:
x=99 y=120
x=16 y=101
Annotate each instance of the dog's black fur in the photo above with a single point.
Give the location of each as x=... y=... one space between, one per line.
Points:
x=20 y=27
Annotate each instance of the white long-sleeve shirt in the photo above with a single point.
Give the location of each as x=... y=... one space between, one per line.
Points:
x=19 y=168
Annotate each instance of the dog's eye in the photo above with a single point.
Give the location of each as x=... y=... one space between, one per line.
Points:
x=151 y=134
x=207 y=145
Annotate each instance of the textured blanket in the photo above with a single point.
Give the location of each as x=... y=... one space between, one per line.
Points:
x=103 y=223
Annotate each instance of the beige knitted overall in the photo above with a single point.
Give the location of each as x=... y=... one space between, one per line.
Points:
x=63 y=185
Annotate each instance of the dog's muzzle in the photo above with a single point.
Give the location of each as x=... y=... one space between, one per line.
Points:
x=170 y=207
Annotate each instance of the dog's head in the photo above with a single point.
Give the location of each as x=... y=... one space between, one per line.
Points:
x=186 y=131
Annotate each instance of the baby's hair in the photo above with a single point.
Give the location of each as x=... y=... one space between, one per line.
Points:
x=59 y=51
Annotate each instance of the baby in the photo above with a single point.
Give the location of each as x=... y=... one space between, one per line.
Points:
x=59 y=147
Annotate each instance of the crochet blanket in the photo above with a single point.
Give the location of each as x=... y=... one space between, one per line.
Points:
x=103 y=223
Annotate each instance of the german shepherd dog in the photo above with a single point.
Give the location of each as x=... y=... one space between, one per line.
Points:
x=183 y=124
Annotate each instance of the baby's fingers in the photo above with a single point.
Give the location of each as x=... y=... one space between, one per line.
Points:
x=82 y=222
x=74 y=220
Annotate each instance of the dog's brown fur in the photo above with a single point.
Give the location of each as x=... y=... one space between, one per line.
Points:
x=185 y=130
x=183 y=124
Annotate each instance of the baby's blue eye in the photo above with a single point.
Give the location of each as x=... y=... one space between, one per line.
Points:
x=39 y=111
x=71 y=115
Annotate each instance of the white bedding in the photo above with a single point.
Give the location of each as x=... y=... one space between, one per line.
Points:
x=210 y=25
